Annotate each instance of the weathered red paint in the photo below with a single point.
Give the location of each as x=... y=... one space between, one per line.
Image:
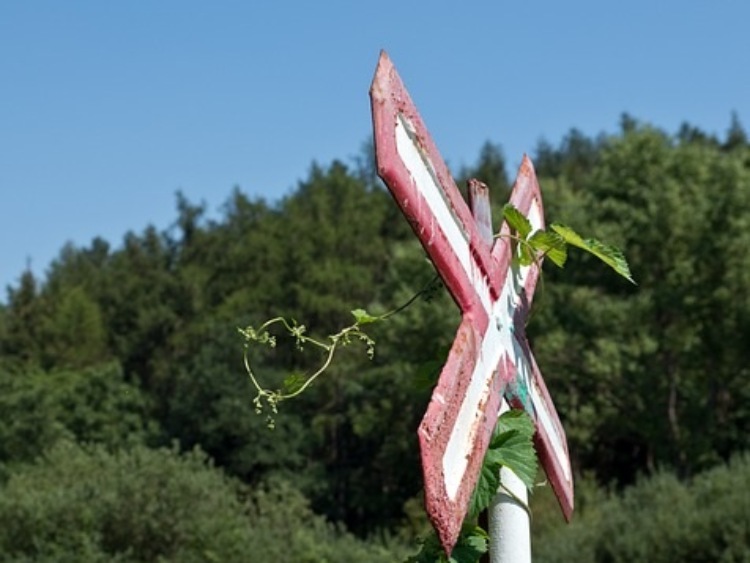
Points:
x=390 y=103
x=389 y=99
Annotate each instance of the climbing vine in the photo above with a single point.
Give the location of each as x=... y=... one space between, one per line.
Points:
x=511 y=445
x=295 y=384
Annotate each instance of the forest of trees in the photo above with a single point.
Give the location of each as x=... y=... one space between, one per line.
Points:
x=128 y=431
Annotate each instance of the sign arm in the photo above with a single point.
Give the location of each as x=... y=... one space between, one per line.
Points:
x=488 y=357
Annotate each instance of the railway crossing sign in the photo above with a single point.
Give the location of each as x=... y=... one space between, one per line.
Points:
x=490 y=357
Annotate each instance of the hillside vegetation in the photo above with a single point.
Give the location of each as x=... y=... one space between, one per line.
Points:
x=128 y=431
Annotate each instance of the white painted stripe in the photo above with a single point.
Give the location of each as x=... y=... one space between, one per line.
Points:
x=544 y=419
x=424 y=177
x=535 y=216
x=497 y=342
x=423 y=174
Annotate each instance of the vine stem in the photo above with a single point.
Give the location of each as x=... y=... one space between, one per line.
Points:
x=503 y=489
x=297 y=331
x=411 y=300
x=331 y=350
x=261 y=335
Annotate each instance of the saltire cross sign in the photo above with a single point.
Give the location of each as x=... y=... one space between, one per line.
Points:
x=490 y=357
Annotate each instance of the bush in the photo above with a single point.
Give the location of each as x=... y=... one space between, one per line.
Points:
x=89 y=405
x=87 y=504
x=662 y=520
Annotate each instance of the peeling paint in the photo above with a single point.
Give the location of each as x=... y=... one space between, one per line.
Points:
x=490 y=354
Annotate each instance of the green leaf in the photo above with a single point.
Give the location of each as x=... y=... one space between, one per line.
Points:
x=610 y=255
x=526 y=255
x=430 y=552
x=517 y=221
x=552 y=245
x=512 y=446
x=471 y=545
x=485 y=489
x=515 y=419
x=293 y=383
x=363 y=317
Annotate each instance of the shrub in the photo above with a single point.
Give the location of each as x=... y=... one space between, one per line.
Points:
x=662 y=520
x=88 y=504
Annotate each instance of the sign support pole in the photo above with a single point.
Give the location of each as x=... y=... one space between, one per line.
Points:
x=509 y=526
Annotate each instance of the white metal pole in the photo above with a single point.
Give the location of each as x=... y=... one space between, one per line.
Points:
x=508 y=520
x=509 y=525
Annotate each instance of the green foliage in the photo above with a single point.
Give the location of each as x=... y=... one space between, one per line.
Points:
x=517 y=221
x=281 y=514
x=662 y=520
x=610 y=255
x=93 y=405
x=75 y=336
x=21 y=321
x=554 y=244
x=361 y=317
x=155 y=505
x=295 y=384
x=137 y=506
x=472 y=544
x=642 y=379
x=670 y=354
x=574 y=159
x=208 y=406
x=511 y=446
x=29 y=423
x=336 y=253
x=551 y=245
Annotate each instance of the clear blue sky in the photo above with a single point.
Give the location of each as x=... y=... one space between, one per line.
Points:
x=108 y=108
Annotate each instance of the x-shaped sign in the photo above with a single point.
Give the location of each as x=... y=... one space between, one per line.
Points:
x=490 y=356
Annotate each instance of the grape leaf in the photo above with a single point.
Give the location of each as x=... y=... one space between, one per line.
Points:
x=293 y=382
x=512 y=446
x=517 y=221
x=515 y=419
x=471 y=545
x=526 y=255
x=485 y=489
x=363 y=317
x=552 y=245
x=610 y=255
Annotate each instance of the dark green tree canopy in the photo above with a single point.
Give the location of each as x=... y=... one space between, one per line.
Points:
x=132 y=346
